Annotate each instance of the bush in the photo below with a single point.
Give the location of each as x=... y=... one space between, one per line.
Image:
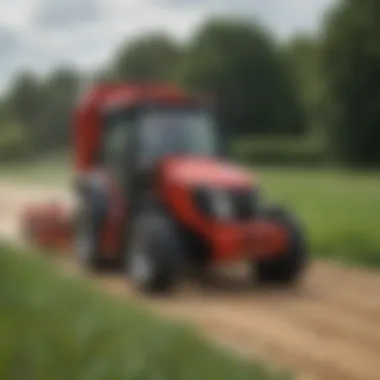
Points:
x=13 y=144
x=52 y=328
x=351 y=63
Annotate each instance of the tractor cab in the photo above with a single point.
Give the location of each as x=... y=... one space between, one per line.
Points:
x=157 y=118
x=137 y=141
x=128 y=130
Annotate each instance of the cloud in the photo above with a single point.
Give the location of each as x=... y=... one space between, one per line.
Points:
x=62 y=14
x=10 y=43
x=42 y=34
x=11 y=52
x=184 y=3
x=283 y=17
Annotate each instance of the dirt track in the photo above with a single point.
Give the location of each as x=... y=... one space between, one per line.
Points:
x=329 y=328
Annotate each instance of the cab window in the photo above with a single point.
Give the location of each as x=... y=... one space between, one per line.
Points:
x=116 y=143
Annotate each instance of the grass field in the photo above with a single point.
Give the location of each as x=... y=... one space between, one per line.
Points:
x=52 y=170
x=306 y=151
x=57 y=328
x=341 y=210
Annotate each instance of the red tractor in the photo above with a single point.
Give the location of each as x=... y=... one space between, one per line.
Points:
x=158 y=198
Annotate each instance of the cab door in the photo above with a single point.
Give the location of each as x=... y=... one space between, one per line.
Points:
x=115 y=160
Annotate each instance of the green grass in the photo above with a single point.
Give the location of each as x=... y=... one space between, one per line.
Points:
x=56 y=328
x=340 y=210
x=306 y=151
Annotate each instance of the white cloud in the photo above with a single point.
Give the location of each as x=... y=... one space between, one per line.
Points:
x=62 y=14
x=10 y=42
x=283 y=16
x=15 y=13
x=41 y=34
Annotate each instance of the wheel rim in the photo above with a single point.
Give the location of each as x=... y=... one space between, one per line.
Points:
x=140 y=266
x=141 y=269
x=83 y=243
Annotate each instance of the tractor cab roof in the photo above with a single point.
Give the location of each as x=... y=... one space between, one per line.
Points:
x=135 y=94
x=88 y=115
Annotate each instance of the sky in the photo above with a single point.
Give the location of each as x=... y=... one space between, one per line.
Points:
x=42 y=34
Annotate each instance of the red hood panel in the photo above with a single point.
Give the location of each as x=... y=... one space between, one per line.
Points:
x=204 y=171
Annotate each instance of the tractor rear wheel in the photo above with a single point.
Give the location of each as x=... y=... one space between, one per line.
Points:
x=287 y=268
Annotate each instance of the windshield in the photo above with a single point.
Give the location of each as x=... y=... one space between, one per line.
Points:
x=178 y=132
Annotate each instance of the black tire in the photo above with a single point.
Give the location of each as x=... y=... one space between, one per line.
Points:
x=86 y=242
x=154 y=259
x=286 y=269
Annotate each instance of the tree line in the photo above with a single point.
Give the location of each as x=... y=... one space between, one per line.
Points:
x=324 y=83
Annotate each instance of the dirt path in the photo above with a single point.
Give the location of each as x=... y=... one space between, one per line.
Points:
x=329 y=328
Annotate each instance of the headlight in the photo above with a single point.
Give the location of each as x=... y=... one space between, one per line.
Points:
x=222 y=206
x=240 y=205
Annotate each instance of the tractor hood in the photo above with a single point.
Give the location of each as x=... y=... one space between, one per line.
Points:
x=205 y=172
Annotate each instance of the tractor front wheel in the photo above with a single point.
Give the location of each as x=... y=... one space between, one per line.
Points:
x=85 y=240
x=153 y=257
x=287 y=268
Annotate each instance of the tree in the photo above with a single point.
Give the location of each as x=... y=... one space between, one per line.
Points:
x=5 y=112
x=152 y=57
x=58 y=95
x=44 y=108
x=243 y=67
x=303 y=54
x=351 y=57
x=24 y=106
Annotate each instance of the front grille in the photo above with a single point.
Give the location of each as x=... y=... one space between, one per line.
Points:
x=203 y=201
x=243 y=203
